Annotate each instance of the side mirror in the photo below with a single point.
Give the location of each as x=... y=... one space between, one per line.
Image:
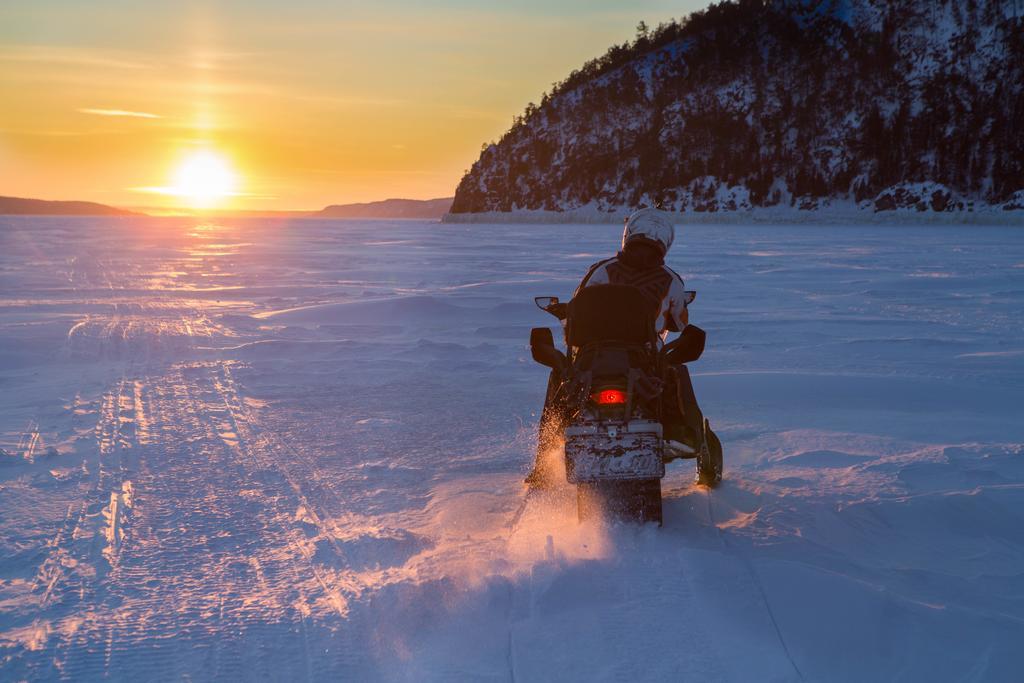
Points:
x=685 y=348
x=542 y=348
x=545 y=302
x=550 y=304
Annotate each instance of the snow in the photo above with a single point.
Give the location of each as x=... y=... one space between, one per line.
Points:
x=294 y=450
x=825 y=211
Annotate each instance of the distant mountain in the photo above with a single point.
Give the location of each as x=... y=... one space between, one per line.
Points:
x=884 y=104
x=389 y=208
x=42 y=207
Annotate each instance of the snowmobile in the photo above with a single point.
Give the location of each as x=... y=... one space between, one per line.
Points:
x=608 y=390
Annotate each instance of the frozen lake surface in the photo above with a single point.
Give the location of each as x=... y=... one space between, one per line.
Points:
x=294 y=450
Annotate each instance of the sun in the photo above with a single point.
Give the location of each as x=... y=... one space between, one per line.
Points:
x=204 y=179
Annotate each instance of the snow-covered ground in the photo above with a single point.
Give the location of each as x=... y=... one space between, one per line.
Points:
x=293 y=450
x=827 y=212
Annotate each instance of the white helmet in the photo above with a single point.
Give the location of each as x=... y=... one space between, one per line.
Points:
x=650 y=224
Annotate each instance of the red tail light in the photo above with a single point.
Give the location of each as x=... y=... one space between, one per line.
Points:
x=609 y=397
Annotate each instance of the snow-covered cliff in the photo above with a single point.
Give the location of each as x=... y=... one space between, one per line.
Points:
x=802 y=103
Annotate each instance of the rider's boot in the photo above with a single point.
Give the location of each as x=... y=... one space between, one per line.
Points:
x=681 y=441
x=709 y=458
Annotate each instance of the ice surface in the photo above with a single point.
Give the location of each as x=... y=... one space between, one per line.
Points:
x=294 y=450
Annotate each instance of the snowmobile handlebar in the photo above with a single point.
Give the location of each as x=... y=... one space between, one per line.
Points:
x=551 y=304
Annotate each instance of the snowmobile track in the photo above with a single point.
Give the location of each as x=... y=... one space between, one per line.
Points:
x=209 y=544
x=752 y=571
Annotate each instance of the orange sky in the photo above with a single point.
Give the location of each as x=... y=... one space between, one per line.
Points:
x=310 y=102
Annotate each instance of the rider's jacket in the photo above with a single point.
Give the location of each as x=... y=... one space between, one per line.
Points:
x=661 y=285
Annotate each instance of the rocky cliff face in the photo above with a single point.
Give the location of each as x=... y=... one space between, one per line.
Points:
x=908 y=103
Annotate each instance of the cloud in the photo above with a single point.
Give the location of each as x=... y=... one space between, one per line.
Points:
x=53 y=133
x=120 y=112
x=69 y=56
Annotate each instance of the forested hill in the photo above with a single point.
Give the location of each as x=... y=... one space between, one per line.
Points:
x=785 y=103
x=389 y=208
x=42 y=207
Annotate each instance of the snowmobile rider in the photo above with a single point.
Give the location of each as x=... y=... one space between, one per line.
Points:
x=646 y=239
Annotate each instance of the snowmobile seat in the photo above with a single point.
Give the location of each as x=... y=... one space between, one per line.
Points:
x=610 y=313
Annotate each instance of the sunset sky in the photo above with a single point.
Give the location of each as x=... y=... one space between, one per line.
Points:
x=278 y=105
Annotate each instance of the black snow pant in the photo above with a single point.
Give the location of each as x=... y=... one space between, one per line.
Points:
x=679 y=405
x=551 y=417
